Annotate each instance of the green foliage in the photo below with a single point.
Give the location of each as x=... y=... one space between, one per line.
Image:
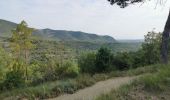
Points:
x=151 y=48
x=103 y=60
x=51 y=61
x=122 y=61
x=86 y=62
x=21 y=44
x=143 y=70
x=96 y=63
x=137 y=58
x=14 y=78
x=68 y=68
x=54 y=70
x=158 y=81
x=150 y=85
x=5 y=61
x=21 y=39
x=55 y=88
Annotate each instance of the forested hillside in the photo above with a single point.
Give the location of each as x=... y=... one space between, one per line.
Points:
x=28 y=64
x=61 y=54
x=56 y=35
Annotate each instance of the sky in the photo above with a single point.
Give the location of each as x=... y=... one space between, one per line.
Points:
x=92 y=16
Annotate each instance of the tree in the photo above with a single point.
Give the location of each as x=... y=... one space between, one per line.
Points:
x=21 y=43
x=165 y=35
x=103 y=60
x=151 y=47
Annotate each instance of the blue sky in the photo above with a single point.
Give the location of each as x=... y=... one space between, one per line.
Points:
x=93 y=16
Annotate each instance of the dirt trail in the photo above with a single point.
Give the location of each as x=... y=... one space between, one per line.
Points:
x=90 y=93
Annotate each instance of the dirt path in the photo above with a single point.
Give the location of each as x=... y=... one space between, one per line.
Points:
x=90 y=93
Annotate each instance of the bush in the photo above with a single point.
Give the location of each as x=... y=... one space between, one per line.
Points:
x=5 y=61
x=14 y=79
x=86 y=63
x=96 y=63
x=68 y=69
x=103 y=60
x=54 y=71
x=122 y=61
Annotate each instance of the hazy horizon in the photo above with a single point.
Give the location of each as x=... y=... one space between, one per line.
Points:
x=95 y=16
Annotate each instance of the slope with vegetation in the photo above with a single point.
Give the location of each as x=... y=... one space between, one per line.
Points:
x=34 y=69
x=56 y=35
x=6 y=27
x=152 y=86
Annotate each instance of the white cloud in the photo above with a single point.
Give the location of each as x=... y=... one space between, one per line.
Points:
x=94 y=16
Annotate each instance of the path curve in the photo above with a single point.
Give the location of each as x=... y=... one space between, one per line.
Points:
x=90 y=93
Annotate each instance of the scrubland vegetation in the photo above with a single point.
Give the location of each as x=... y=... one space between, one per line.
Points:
x=152 y=86
x=33 y=69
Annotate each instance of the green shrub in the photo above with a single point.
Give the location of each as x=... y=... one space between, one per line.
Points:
x=157 y=81
x=151 y=47
x=86 y=63
x=5 y=61
x=14 y=79
x=122 y=61
x=104 y=60
x=56 y=71
x=72 y=69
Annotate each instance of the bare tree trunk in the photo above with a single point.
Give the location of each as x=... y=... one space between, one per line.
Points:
x=165 y=38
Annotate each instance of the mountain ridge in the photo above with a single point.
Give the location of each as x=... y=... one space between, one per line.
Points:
x=57 y=35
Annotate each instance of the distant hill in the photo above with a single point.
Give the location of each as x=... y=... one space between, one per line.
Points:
x=6 y=27
x=57 y=35
x=131 y=41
